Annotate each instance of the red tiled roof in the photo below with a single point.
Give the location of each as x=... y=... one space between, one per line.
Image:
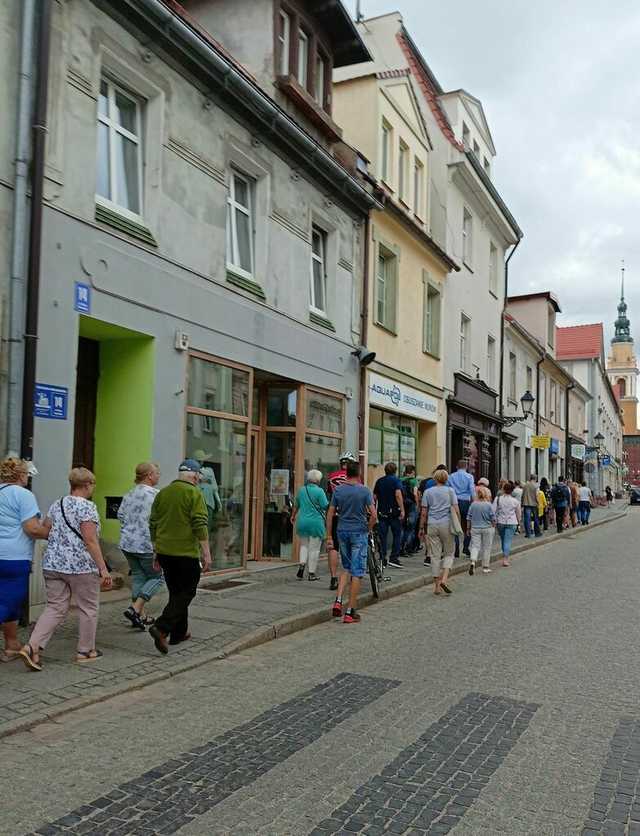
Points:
x=579 y=342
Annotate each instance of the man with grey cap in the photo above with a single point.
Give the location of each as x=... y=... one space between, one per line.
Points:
x=180 y=535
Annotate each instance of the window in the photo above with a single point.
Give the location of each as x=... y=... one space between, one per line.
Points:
x=552 y=402
x=432 y=312
x=467 y=237
x=386 y=289
x=542 y=394
x=465 y=326
x=387 y=139
x=318 y=300
x=392 y=438
x=320 y=79
x=403 y=162
x=418 y=180
x=551 y=327
x=284 y=42
x=491 y=361
x=622 y=387
x=303 y=58
x=466 y=136
x=487 y=167
x=119 y=169
x=513 y=393
x=529 y=379
x=476 y=149
x=493 y=268
x=240 y=223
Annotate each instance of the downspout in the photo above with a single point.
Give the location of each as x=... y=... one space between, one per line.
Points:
x=364 y=332
x=504 y=310
x=538 y=364
x=20 y=231
x=35 y=241
x=567 y=447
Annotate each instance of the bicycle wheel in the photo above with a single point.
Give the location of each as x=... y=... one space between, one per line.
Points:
x=373 y=571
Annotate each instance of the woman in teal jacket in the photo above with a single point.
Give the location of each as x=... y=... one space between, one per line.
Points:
x=309 y=518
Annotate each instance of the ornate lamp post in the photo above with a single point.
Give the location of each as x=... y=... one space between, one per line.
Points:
x=526 y=402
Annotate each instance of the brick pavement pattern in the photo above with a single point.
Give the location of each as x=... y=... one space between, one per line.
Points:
x=616 y=801
x=167 y=797
x=431 y=784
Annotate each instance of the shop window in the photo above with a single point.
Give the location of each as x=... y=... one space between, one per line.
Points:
x=318 y=289
x=321 y=453
x=119 y=157
x=324 y=432
x=282 y=404
x=324 y=412
x=432 y=314
x=392 y=438
x=240 y=224
x=386 y=284
x=218 y=388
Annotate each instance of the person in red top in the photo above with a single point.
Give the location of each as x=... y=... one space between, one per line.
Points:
x=334 y=480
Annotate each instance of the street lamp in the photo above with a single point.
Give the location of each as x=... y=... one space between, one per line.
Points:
x=526 y=402
x=599 y=438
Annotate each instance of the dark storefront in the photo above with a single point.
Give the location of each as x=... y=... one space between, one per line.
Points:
x=473 y=428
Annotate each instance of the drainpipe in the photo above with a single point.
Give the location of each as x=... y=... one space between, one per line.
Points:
x=20 y=231
x=567 y=448
x=538 y=364
x=364 y=332
x=504 y=310
x=35 y=241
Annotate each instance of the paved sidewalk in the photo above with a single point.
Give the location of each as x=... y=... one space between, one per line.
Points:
x=269 y=603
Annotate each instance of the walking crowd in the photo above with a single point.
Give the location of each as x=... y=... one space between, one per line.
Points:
x=164 y=537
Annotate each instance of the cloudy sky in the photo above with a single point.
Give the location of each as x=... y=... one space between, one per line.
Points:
x=559 y=84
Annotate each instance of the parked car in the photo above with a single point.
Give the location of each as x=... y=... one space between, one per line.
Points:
x=634 y=495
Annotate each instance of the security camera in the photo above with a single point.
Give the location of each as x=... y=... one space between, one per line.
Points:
x=365 y=356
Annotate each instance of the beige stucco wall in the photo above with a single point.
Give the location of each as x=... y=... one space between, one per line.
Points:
x=355 y=109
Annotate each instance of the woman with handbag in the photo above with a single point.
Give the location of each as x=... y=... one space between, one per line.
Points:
x=73 y=565
x=508 y=513
x=309 y=515
x=440 y=518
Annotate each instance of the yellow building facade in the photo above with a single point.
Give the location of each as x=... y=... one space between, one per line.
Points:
x=405 y=409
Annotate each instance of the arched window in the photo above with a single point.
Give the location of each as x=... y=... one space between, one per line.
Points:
x=622 y=386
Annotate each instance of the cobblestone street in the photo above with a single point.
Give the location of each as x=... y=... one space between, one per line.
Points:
x=510 y=707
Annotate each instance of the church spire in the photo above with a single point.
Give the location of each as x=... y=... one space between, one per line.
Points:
x=623 y=326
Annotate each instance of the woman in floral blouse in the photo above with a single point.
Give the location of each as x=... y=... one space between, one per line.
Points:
x=73 y=565
x=135 y=543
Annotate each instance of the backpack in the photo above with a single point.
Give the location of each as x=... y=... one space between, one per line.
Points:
x=407 y=492
x=558 y=495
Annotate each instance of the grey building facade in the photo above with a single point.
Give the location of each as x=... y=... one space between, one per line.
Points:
x=202 y=264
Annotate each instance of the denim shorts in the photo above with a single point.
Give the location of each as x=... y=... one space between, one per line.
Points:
x=354 y=548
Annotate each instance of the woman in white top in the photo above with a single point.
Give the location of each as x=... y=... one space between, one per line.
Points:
x=72 y=565
x=508 y=514
x=584 y=503
x=135 y=542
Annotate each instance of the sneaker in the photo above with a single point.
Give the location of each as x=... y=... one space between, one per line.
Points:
x=333 y=585
x=313 y=577
x=486 y=571
x=336 y=612
x=426 y=561
x=351 y=617
x=472 y=568
x=445 y=588
x=300 y=574
x=134 y=618
x=466 y=552
x=394 y=562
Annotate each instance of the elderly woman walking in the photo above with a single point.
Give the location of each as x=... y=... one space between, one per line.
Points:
x=73 y=565
x=508 y=515
x=439 y=509
x=20 y=525
x=309 y=515
x=481 y=521
x=135 y=543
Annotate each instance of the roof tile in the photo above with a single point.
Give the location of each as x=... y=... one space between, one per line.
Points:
x=579 y=342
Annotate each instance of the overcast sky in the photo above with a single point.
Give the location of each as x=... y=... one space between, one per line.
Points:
x=559 y=84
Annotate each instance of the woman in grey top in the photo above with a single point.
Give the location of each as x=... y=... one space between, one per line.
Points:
x=481 y=521
x=436 y=520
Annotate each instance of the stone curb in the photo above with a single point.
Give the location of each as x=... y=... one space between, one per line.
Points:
x=262 y=635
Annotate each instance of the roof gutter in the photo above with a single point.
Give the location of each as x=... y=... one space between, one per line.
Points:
x=246 y=96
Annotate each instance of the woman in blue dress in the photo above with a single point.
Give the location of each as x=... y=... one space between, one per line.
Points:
x=20 y=525
x=309 y=515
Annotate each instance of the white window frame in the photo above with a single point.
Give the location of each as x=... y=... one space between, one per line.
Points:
x=284 y=39
x=432 y=319
x=513 y=377
x=322 y=261
x=303 y=68
x=114 y=128
x=386 y=288
x=233 y=258
x=493 y=268
x=476 y=149
x=467 y=237
x=403 y=170
x=465 y=340
x=491 y=360
x=386 y=156
x=466 y=136
x=418 y=183
x=529 y=374
x=320 y=78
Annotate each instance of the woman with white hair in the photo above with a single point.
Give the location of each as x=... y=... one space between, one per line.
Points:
x=308 y=516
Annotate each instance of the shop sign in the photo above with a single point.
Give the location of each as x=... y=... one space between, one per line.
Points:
x=82 y=299
x=388 y=394
x=591 y=454
x=541 y=442
x=51 y=402
x=578 y=451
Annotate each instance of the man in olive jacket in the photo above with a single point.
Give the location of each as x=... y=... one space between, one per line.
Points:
x=179 y=527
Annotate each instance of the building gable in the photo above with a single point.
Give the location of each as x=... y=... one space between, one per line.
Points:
x=401 y=95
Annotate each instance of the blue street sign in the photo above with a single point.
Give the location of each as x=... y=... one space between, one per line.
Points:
x=82 y=298
x=51 y=402
x=606 y=461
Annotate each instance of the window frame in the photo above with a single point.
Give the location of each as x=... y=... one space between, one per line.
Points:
x=320 y=60
x=113 y=129
x=491 y=360
x=467 y=238
x=551 y=327
x=493 y=269
x=284 y=42
x=390 y=284
x=466 y=136
x=465 y=340
x=418 y=187
x=386 y=153
x=431 y=326
x=403 y=171
x=322 y=260
x=513 y=377
x=232 y=207
x=303 y=37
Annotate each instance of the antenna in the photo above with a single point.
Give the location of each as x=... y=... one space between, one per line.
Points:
x=359 y=15
x=622 y=291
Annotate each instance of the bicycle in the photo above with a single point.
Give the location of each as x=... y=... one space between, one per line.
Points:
x=375 y=564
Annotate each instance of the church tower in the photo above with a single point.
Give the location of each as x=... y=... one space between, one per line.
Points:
x=622 y=367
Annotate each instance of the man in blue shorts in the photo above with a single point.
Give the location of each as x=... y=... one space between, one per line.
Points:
x=353 y=502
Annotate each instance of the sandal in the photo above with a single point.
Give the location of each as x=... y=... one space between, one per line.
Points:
x=9 y=655
x=30 y=658
x=148 y=620
x=91 y=656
